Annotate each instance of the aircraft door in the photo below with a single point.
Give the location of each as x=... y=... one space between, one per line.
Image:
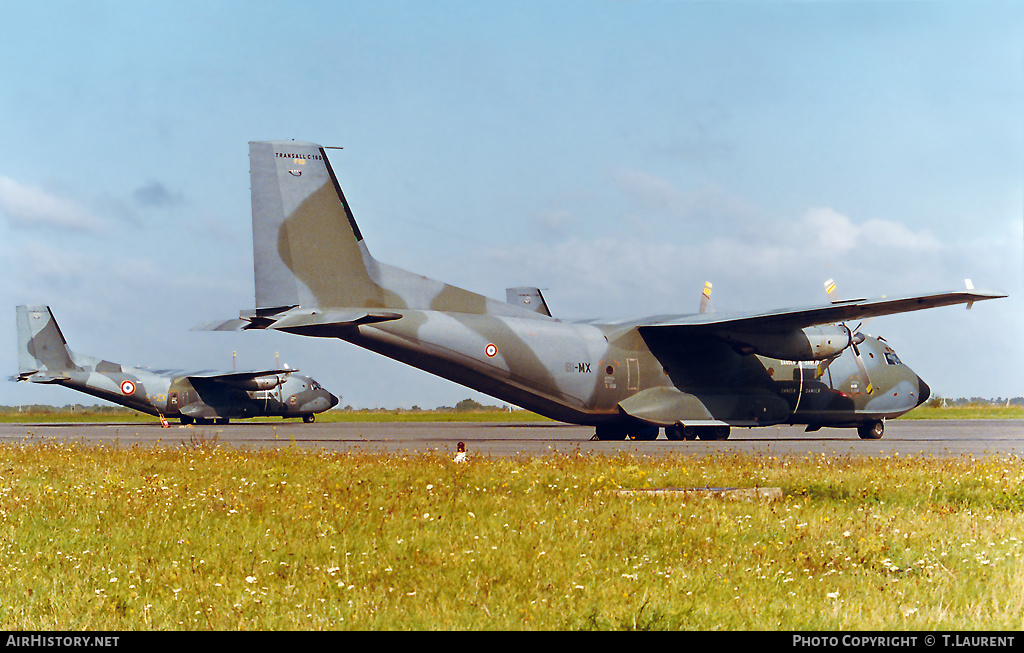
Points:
x=172 y=402
x=632 y=374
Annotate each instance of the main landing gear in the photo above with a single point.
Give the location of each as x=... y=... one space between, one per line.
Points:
x=870 y=430
x=647 y=432
x=681 y=432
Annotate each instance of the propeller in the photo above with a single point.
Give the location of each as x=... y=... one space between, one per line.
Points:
x=271 y=384
x=856 y=337
x=280 y=377
x=705 y=299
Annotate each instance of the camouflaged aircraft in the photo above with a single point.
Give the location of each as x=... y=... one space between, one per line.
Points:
x=202 y=397
x=694 y=375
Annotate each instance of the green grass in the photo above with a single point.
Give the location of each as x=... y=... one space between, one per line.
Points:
x=199 y=536
x=973 y=411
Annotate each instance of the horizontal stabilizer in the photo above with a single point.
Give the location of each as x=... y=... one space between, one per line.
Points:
x=39 y=377
x=312 y=322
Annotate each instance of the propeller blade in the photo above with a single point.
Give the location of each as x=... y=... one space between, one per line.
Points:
x=705 y=299
x=823 y=366
x=860 y=362
x=830 y=289
x=856 y=337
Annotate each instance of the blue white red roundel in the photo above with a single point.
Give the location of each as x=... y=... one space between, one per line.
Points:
x=127 y=387
x=491 y=350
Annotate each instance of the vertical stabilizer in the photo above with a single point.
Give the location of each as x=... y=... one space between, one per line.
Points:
x=308 y=251
x=41 y=345
x=528 y=297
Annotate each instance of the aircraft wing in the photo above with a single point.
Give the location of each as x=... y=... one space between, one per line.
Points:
x=788 y=319
x=247 y=380
x=239 y=376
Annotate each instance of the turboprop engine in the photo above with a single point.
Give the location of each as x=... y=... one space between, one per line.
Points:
x=268 y=382
x=814 y=343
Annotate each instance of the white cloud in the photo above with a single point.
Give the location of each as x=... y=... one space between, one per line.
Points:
x=554 y=220
x=832 y=231
x=30 y=206
x=648 y=190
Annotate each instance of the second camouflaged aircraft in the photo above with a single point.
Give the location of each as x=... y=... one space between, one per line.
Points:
x=203 y=397
x=695 y=375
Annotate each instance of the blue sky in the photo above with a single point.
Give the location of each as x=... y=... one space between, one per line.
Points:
x=616 y=154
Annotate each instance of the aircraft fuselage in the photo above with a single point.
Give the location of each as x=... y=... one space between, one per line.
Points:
x=177 y=396
x=581 y=372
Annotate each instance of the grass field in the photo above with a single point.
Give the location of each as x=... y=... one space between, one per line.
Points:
x=199 y=536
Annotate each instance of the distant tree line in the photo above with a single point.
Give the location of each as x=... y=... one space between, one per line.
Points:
x=464 y=406
x=962 y=402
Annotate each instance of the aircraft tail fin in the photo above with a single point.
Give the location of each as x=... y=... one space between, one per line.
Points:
x=528 y=297
x=308 y=251
x=41 y=345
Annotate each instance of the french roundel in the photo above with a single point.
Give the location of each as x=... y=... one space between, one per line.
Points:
x=491 y=350
x=127 y=387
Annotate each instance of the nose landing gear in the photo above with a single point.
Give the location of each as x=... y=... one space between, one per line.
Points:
x=871 y=430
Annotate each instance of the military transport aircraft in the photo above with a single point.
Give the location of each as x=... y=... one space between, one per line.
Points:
x=202 y=397
x=695 y=375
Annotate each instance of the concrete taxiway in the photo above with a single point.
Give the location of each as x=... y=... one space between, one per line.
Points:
x=977 y=438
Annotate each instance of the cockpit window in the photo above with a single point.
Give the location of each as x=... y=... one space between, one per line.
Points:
x=892 y=359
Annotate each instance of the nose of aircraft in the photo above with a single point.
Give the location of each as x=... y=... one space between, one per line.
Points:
x=924 y=391
x=334 y=400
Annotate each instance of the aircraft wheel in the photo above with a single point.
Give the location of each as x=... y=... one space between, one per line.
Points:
x=680 y=432
x=610 y=432
x=645 y=433
x=309 y=419
x=713 y=433
x=871 y=430
x=221 y=420
x=186 y=420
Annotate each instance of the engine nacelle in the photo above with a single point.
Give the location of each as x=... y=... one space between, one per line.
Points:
x=808 y=344
x=268 y=382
